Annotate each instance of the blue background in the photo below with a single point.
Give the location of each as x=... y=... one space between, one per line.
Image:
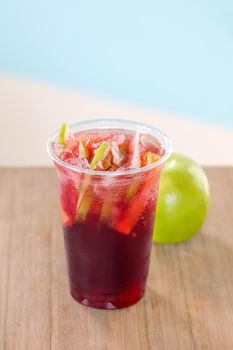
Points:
x=170 y=55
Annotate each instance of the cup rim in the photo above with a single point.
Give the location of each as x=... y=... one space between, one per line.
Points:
x=147 y=129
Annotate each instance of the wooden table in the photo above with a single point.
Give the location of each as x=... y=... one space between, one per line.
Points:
x=189 y=298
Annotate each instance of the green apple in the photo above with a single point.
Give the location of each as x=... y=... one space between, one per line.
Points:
x=183 y=200
x=99 y=154
x=64 y=131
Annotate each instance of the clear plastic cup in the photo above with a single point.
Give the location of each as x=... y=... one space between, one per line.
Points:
x=108 y=220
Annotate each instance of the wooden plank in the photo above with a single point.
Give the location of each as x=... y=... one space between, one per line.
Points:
x=190 y=296
x=189 y=299
x=5 y=238
x=28 y=294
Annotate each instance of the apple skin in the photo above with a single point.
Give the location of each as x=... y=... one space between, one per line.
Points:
x=183 y=200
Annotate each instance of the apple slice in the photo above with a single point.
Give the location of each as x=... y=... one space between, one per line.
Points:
x=126 y=224
x=84 y=208
x=65 y=134
x=106 y=211
x=106 y=163
x=131 y=191
x=82 y=151
x=63 y=130
x=100 y=154
x=82 y=200
x=67 y=138
x=149 y=158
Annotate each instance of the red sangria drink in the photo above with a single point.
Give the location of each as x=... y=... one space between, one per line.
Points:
x=108 y=174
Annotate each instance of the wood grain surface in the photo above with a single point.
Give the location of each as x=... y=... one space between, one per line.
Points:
x=189 y=298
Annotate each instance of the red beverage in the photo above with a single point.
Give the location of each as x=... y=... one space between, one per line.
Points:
x=108 y=191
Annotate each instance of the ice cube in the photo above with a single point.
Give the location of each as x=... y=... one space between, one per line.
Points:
x=119 y=139
x=117 y=157
x=125 y=167
x=79 y=162
x=57 y=148
x=150 y=144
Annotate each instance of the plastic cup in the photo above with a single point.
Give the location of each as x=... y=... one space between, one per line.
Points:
x=108 y=220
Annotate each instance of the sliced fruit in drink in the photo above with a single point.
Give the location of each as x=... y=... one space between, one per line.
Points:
x=84 y=209
x=126 y=224
x=105 y=163
x=84 y=187
x=149 y=158
x=93 y=140
x=100 y=154
x=82 y=151
x=63 y=129
x=67 y=138
x=131 y=191
x=106 y=151
x=124 y=149
x=106 y=211
x=64 y=134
